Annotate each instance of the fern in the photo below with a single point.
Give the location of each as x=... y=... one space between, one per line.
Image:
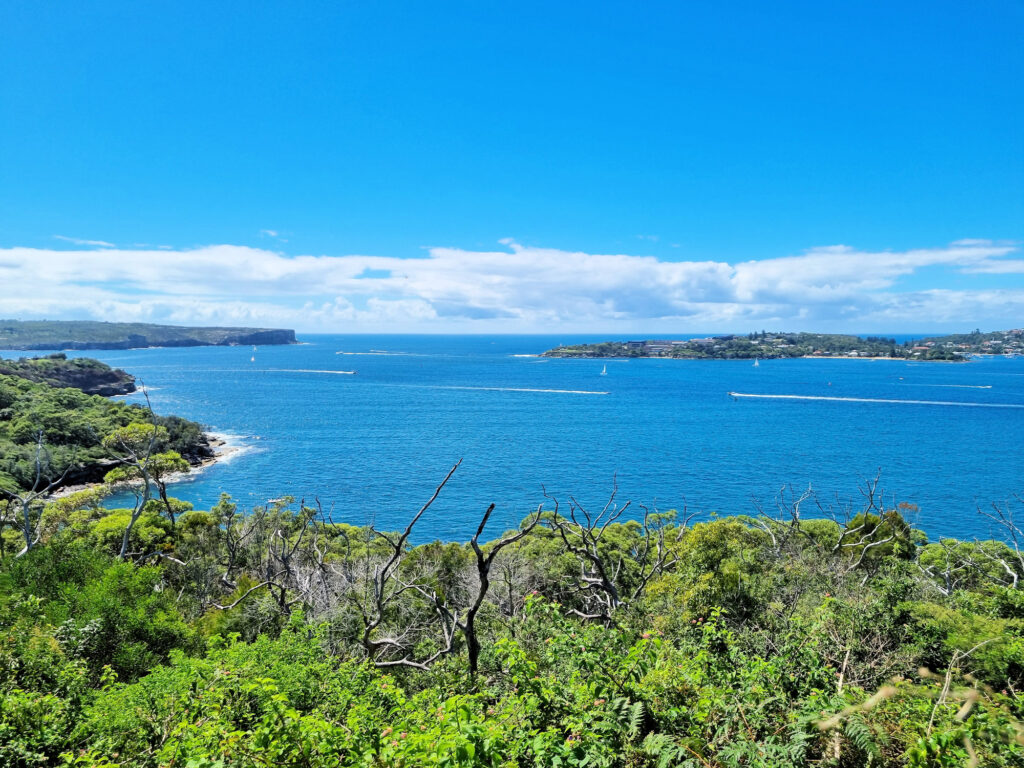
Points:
x=664 y=750
x=636 y=720
x=862 y=737
x=629 y=716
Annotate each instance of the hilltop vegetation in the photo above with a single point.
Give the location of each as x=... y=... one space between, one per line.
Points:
x=84 y=334
x=582 y=639
x=84 y=373
x=993 y=343
x=66 y=428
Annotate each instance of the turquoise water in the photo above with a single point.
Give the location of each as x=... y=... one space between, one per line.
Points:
x=372 y=446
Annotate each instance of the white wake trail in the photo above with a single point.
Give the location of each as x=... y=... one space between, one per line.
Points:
x=525 y=389
x=875 y=400
x=952 y=386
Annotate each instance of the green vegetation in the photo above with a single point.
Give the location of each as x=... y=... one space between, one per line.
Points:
x=993 y=343
x=62 y=429
x=273 y=638
x=787 y=345
x=84 y=373
x=84 y=334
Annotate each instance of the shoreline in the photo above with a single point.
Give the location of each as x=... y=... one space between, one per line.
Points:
x=225 y=447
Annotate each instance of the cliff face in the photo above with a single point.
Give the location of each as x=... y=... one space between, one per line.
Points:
x=90 y=376
x=105 y=383
x=268 y=337
x=138 y=341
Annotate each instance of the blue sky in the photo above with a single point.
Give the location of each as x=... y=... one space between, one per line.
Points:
x=719 y=133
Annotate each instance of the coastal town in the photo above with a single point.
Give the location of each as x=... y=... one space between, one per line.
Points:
x=765 y=345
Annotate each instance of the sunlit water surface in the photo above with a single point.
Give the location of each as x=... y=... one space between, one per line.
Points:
x=372 y=446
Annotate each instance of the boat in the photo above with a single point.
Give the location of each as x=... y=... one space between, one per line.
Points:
x=252 y=359
x=604 y=371
x=756 y=362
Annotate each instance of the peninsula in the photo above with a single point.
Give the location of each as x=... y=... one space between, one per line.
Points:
x=767 y=345
x=87 y=334
x=84 y=373
x=58 y=407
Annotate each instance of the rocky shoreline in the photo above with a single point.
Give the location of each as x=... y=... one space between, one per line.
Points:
x=218 y=448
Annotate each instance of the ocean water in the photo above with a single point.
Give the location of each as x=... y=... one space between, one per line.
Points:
x=372 y=446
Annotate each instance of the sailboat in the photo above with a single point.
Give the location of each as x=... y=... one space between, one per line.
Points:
x=756 y=362
x=604 y=371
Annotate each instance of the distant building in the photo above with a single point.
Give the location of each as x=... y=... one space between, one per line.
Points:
x=659 y=345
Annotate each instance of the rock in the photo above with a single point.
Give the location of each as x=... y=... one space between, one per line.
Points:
x=90 y=376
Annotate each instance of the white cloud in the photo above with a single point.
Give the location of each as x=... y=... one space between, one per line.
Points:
x=79 y=241
x=520 y=288
x=997 y=267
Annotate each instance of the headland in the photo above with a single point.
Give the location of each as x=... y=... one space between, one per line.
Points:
x=87 y=334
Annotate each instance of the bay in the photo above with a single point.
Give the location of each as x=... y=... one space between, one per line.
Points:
x=372 y=446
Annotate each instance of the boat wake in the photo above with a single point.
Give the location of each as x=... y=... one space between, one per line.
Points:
x=308 y=370
x=524 y=389
x=953 y=386
x=874 y=400
x=385 y=353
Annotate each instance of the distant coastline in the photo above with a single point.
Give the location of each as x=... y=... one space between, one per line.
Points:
x=84 y=334
x=782 y=345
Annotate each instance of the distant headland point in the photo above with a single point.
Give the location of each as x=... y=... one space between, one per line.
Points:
x=87 y=334
x=765 y=345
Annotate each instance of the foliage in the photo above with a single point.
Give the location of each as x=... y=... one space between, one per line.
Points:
x=241 y=638
x=91 y=376
x=77 y=429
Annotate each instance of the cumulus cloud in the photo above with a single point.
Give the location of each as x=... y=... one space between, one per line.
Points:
x=516 y=288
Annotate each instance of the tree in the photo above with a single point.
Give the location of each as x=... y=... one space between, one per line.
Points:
x=28 y=501
x=134 y=447
x=1011 y=558
x=465 y=619
x=611 y=577
x=160 y=468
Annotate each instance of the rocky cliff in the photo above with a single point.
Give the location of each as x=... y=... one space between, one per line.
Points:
x=90 y=376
